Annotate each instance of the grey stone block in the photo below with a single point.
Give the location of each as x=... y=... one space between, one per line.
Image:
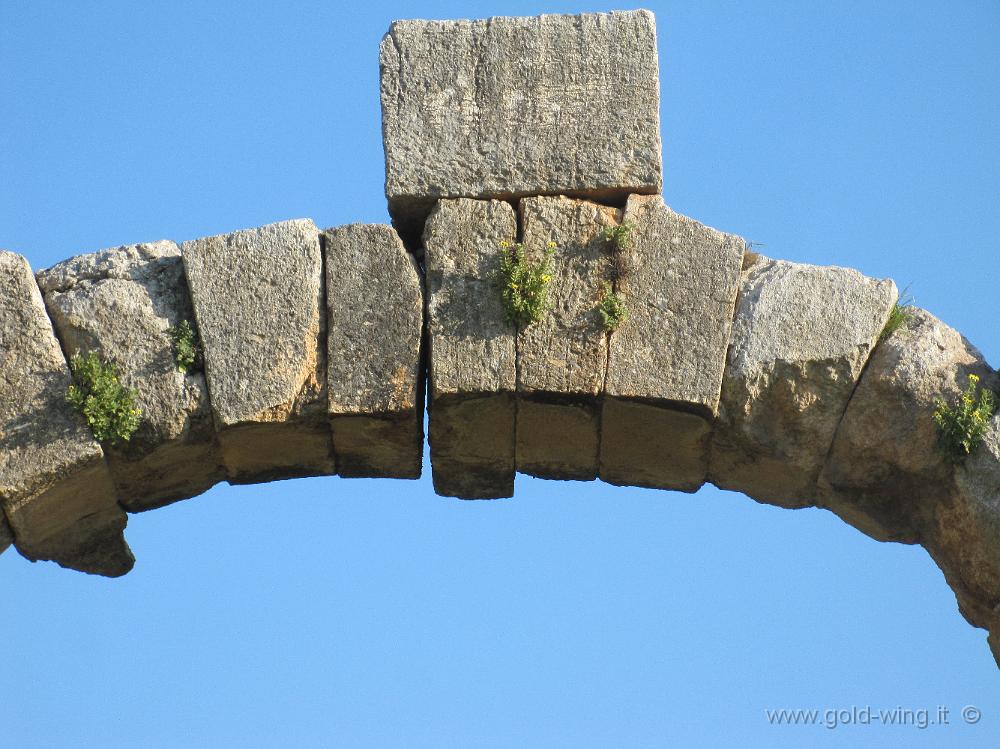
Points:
x=375 y=310
x=121 y=302
x=6 y=534
x=679 y=280
x=258 y=300
x=801 y=336
x=514 y=107
x=472 y=350
x=55 y=487
x=561 y=360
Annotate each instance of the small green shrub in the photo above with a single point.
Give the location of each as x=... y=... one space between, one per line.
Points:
x=898 y=316
x=619 y=236
x=962 y=426
x=612 y=308
x=187 y=347
x=524 y=285
x=107 y=406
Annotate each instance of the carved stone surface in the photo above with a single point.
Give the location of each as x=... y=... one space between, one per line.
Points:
x=801 y=336
x=561 y=360
x=121 y=302
x=511 y=107
x=472 y=350
x=375 y=311
x=258 y=300
x=55 y=487
x=679 y=281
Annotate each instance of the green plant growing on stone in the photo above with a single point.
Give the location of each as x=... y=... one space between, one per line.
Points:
x=187 y=347
x=898 y=316
x=961 y=427
x=619 y=236
x=524 y=285
x=612 y=308
x=107 y=406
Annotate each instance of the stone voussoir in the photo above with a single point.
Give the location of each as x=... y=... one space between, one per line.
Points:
x=886 y=471
x=472 y=362
x=121 y=303
x=258 y=300
x=801 y=337
x=55 y=487
x=679 y=280
x=515 y=107
x=562 y=359
x=375 y=309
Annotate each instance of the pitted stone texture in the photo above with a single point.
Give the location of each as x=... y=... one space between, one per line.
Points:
x=375 y=309
x=886 y=469
x=801 y=336
x=6 y=534
x=964 y=533
x=55 y=487
x=561 y=360
x=120 y=302
x=258 y=300
x=513 y=107
x=472 y=350
x=666 y=360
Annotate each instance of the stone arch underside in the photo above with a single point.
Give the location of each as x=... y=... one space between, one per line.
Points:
x=776 y=379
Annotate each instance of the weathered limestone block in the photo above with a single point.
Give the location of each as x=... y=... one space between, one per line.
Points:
x=963 y=536
x=258 y=300
x=561 y=360
x=666 y=360
x=801 y=336
x=121 y=302
x=514 y=107
x=375 y=311
x=886 y=470
x=472 y=350
x=55 y=487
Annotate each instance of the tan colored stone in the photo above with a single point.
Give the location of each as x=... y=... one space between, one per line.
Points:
x=258 y=300
x=562 y=359
x=885 y=469
x=55 y=487
x=801 y=336
x=471 y=350
x=375 y=311
x=665 y=365
x=513 y=107
x=120 y=303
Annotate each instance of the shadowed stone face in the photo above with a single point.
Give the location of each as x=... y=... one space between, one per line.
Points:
x=258 y=301
x=801 y=336
x=472 y=350
x=375 y=312
x=510 y=107
x=121 y=302
x=55 y=487
x=679 y=283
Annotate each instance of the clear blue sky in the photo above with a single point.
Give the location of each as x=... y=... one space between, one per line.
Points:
x=326 y=612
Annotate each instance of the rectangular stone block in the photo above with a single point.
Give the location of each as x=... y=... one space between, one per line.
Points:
x=375 y=312
x=258 y=300
x=514 y=107
x=801 y=336
x=679 y=281
x=472 y=350
x=55 y=487
x=561 y=360
x=121 y=303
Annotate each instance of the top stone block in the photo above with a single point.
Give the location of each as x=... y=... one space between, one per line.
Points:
x=513 y=107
